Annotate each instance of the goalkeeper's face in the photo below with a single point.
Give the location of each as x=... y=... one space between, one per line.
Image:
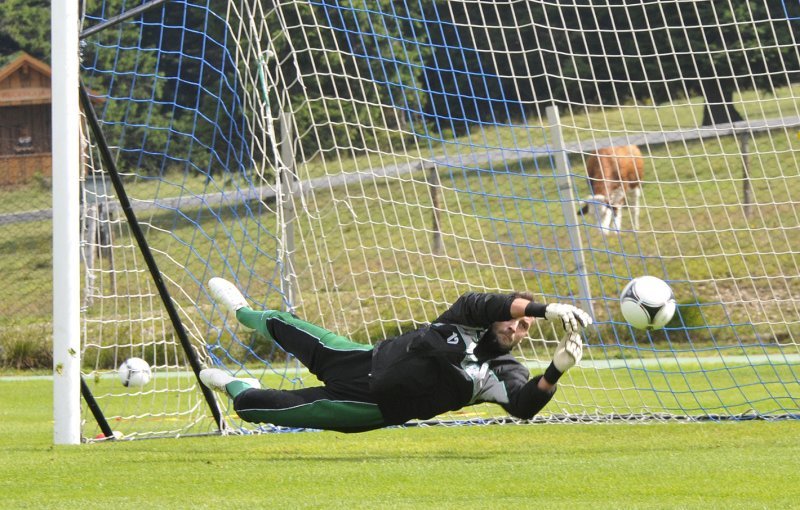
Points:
x=510 y=333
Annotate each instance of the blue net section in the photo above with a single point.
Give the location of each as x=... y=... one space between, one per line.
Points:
x=363 y=164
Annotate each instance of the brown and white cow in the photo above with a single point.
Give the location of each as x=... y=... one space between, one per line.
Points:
x=615 y=173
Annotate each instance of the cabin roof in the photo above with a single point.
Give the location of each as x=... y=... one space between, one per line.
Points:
x=11 y=93
x=12 y=62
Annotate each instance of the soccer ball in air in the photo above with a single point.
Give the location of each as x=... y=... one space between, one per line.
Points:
x=134 y=372
x=647 y=303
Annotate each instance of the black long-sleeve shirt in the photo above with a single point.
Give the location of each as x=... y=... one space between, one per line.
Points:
x=444 y=366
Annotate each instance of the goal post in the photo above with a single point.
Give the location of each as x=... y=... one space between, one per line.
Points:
x=362 y=166
x=66 y=232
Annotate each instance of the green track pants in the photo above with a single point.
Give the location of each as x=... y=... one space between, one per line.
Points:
x=343 y=403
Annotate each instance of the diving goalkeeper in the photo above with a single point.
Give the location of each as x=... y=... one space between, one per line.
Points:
x=462 y=358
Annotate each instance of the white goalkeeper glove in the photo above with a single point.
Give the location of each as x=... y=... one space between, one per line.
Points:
x=569 y=351
x=570 y=316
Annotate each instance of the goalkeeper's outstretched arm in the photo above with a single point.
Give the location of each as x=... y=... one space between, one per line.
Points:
x=526 y=399
x=571 y=317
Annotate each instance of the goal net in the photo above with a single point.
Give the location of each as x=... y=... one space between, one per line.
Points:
x=362 y=164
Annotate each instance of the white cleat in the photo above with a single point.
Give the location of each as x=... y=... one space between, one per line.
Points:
x=217 y=380
x=226 y=294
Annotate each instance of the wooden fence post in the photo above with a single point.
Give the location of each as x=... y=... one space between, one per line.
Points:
x=433 y=186
x=747 y=189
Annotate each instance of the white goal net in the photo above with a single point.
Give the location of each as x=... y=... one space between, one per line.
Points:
x=362 y=164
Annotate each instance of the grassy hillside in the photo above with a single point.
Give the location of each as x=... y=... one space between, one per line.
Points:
x=364 y=256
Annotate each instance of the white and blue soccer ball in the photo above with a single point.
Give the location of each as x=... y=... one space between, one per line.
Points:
x=134 y=372
x=647 y=303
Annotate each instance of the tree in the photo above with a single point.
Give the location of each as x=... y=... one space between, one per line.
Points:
x=750 y=45
x=354 y=79
x=25 y=25
x=450 y=63
x=662 y=51
x=491 y=59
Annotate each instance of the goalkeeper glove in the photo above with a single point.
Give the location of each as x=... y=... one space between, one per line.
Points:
x=570 y=316
x=569 y=351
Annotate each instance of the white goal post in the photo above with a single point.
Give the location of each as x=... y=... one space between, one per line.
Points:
x=66 y=224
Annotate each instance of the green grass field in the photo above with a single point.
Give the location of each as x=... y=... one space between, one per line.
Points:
x=657 y=465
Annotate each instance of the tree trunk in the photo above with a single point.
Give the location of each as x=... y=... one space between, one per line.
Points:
x=719 y=107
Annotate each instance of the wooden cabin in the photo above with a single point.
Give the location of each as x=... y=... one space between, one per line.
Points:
x=25 y=119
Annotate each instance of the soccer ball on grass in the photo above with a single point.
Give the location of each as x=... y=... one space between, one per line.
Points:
x=134 y=372
x=647 y=303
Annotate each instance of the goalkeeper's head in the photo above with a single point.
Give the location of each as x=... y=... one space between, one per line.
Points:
x=503 y=336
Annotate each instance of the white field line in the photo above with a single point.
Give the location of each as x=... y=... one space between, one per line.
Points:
x=641 y=363
x=702 y=361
